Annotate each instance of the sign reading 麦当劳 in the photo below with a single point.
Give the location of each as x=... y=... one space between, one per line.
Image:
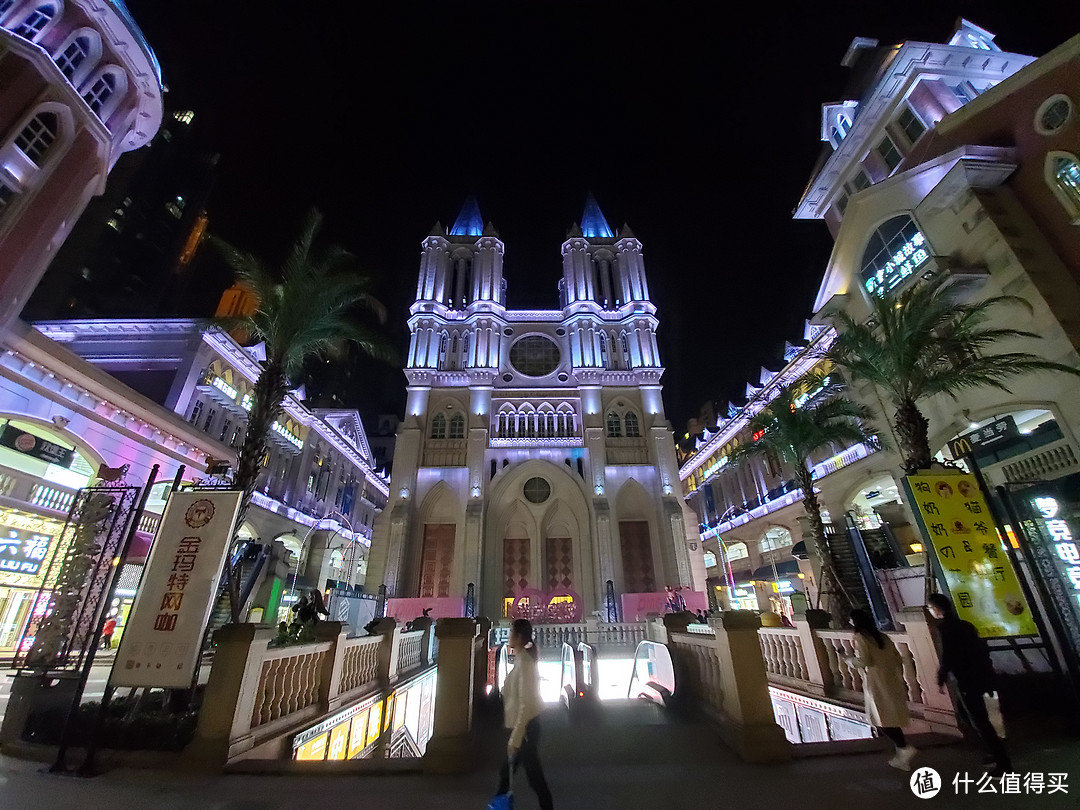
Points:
x=163 y=634
x=977 y=570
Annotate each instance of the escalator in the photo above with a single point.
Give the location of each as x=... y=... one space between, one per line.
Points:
x=252 y=558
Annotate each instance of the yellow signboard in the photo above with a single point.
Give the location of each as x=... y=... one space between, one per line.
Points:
x=977 y=570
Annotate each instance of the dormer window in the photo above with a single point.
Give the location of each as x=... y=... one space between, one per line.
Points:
x=100 y=92
x=36 y=21
x=73 y=56
x=844 y=123
x=38 y=135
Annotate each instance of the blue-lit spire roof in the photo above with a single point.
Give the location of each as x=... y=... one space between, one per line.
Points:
x=593 y=223
x=468 y=222
x=122 y=10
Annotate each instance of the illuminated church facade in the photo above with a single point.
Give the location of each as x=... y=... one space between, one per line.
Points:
x=535 y=458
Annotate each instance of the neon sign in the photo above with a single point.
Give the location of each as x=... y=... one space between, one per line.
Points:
x=757 y=434
x=1062 y=541
x=719 y=465
x=224 y=388
x=908 y=258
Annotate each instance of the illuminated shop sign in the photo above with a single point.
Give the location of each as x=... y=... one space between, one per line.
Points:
x=719 y=465
x=783 y=586
x=905 y=256
x=980 y=577
x=757 y=434
x=1063 y=543
x=224 y=388
x=283 y=431
x=22 y=551
x=36 y=447
x=802 y=399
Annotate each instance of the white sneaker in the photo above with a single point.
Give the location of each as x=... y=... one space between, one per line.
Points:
x=902 y=759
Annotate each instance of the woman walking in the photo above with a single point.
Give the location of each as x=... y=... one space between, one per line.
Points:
x=521 y=702
x=883 y=685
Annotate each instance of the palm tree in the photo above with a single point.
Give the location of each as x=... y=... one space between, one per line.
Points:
x=309 y=308
x=925 y=341
x=791 y=430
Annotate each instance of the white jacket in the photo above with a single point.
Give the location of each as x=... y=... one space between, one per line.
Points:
x=521 y=696
x=883 y=682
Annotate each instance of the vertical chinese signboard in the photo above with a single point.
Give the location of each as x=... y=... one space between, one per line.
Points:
x=977 y=570
x=163 y=635
x=1050 y=519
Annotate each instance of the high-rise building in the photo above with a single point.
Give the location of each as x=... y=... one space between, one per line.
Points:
x=80 y=87
x=132 y=252
x=535 y=462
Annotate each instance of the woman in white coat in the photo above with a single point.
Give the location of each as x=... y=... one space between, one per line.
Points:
x=522 y=705
x=883 y=685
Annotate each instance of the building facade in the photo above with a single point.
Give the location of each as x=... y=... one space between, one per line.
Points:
x=945 y=158
x=81 y=87
x=535 y=461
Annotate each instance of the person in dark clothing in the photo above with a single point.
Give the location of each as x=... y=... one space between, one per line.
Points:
x=967 y=657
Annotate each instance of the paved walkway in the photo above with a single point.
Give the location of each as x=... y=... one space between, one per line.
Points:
x=631 y=757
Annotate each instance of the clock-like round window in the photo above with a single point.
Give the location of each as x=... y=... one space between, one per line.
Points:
x=535 y=356
x=1053 y=114
x=537 y=490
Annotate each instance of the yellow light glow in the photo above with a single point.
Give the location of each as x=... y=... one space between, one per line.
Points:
x=802 y=576
x=916 y=548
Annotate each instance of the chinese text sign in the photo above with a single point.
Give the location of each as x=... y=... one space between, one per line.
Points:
x=160 y=645
x=977 y=570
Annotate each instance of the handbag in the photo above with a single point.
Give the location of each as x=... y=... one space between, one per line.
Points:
x=505 y=801
x=993 y=711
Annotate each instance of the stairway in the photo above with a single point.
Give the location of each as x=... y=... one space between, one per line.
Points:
x=846 y=566
x=250 y=567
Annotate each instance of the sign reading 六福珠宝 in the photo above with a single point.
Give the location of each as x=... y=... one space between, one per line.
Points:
x=22 y=552
x=980 y=577
x=163 y=634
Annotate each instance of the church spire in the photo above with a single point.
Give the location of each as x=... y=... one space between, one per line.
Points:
x=468 y=222
x=593 y=223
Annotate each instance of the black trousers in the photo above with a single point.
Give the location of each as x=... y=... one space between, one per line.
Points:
x=895 y=734
x=529 y=757
x=975 y=708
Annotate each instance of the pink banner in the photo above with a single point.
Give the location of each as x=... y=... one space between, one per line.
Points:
x=441 y=607
x=636 y=606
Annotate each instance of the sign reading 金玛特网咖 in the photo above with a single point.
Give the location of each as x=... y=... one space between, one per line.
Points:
x=162 y=637
x=980 y=577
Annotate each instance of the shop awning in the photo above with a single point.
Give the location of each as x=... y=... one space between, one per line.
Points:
x=785 y=568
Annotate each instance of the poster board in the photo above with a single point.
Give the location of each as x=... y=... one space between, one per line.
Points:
x=956 y=519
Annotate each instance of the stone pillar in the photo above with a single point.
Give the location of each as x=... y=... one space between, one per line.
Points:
x=747 y=722
x=938 y=708
x=388 y=651
x=224 y=726
x=817 y=659
x=336 y=632
x=452 y=748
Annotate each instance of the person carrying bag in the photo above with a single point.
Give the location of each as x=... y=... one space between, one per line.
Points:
x=522 y=704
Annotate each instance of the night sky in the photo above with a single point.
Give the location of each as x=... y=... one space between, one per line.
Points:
x=697 y=125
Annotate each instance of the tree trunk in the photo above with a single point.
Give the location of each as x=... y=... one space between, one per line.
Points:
x=269 y=394
x=830 y=582
x=912 y=430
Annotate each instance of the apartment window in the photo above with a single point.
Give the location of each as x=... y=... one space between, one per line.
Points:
x=5 y=5
x=910 y=124
x=196 y=412
x=438 y=427
x=38 y=135
x=633 y=429
x=100 y=92
x=73 y=55
x=457 y=426
x=860 y=181
x=34 y=22
x=210 y=414
x=889 y=153
x=841 y=203
x=226 y=424
x=614 y=425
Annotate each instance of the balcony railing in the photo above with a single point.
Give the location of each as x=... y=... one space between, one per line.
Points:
x=32 y=491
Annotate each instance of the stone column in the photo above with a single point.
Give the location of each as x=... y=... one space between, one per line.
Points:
x=452 y=747
x=938 y=708
x=747 y=722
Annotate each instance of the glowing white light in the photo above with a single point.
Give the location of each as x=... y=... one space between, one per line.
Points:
x=225 y=388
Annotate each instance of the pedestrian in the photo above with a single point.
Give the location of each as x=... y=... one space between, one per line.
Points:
x=700 y=617
x=883 y=685
x=521 y=702
x=107 y=631
x=966 y=655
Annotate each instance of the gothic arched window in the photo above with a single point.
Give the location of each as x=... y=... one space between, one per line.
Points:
x=457 y=426
x=614 y=425
x=72 y=57
x=438 y=427
x=633 y=429
x=1063 y=177
x=102 y=89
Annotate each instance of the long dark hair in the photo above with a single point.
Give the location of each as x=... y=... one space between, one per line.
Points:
x=523 y=629
x=864 y=624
